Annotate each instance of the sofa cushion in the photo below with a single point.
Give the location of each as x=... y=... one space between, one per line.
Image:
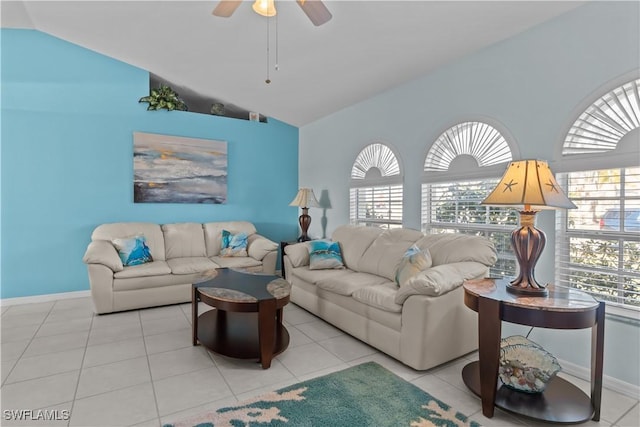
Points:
x=384 y=254
x=348 y=284
x=183 y=240
x=154 y=268
x=233 y=244
x=315 y=276
x=152 y=233
x=448 y=248
x=133 y=250
x=379 y=296
x=324 y=254
x=236 y=262
x=440 y=279
x=190 y=265
x=213 y=233
x=258 y=247
x=298 y=254
x=354 y=241
x=413 y=262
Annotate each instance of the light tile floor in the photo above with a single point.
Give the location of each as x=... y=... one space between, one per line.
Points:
x=138 y=368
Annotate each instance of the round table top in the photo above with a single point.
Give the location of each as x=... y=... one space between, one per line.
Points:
x=559 y=299
x=279 y=288
x=241 y=286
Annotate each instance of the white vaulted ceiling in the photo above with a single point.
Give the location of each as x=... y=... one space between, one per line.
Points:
x=368 y=47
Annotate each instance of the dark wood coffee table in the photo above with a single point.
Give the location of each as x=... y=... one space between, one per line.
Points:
x=247 y=320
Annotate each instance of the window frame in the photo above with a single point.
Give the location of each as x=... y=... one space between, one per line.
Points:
x=389 y=179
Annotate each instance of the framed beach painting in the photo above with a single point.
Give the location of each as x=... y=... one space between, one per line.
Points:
x=174 y=169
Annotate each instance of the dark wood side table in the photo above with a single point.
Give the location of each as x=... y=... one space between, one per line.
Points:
x=247 y=322
x=561 y=402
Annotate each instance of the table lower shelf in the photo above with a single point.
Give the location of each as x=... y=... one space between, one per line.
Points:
x=561 y=402
x=236 y=334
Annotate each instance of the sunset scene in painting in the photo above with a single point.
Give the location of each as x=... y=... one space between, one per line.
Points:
x=172 y=169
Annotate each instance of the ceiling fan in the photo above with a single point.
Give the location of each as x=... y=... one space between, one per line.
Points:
x=314 y=9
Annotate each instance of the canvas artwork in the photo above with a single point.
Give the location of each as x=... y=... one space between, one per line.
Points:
x=173 y=169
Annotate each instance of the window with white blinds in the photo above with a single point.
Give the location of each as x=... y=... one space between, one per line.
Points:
x=377 y=206
x=376 y=188
x=601 y=126
x=598 y=244
x=454 y=207
x=451 y=203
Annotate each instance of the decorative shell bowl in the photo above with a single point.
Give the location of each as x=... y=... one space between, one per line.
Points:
x=526 y=366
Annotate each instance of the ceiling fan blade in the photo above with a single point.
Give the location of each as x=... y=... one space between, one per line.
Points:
x=225 y=8
x=316 y=11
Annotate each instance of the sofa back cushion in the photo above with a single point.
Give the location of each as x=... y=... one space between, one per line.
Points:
x=354 y=241
x=213 y=233
x=184 y=239
x=449 y=248
x=151 y=232
x=385 y=253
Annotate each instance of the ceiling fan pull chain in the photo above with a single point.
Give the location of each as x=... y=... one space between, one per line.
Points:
x=268 y=80
x=277 y=67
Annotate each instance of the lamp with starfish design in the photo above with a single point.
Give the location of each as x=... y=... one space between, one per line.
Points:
x=531 y=186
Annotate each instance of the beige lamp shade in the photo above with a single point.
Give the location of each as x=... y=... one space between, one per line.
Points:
x=531 y=184
x=305 y=199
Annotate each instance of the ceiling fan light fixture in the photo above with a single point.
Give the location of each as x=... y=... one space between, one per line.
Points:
x=264 y=7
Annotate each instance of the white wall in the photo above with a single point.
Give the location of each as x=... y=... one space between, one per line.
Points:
x=530 y=85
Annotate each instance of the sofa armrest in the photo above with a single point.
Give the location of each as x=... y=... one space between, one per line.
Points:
x=441 y=279
x=259 y=247
x=298 y=254
x=103 y=252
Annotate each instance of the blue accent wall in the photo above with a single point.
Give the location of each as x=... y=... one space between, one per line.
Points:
x=68 y=117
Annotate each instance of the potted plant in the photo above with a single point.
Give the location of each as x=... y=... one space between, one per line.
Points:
x=164 y=98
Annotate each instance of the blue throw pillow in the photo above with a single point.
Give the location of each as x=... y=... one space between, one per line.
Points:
x=233 y=244
x=324 y=254
x=133 y=250
x=413 y=262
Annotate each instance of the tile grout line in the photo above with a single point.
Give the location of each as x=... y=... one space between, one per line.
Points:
x=75 y=393
x=27 y=346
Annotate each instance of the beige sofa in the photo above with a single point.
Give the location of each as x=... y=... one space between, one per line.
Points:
x=181 y=253
x=423 y=323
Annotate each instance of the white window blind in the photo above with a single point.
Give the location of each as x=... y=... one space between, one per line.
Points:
x=454 y=207
x=598 y=244
x=606 y=121
x=379 y=206
x=376 y=190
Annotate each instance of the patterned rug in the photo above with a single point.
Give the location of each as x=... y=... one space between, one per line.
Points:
x=364 y=395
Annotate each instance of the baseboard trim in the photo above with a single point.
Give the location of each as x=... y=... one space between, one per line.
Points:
x=44 y=298
x=609 y=382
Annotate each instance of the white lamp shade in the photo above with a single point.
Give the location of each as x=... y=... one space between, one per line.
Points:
x=305 y=199
x=529 y=183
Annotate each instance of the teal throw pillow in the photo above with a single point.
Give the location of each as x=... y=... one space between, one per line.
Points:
x=133 y=250
x=233 y=244
x=413 y=262
x=324 y=254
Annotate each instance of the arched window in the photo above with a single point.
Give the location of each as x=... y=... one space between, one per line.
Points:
x=479 y=152
x=598 y=244
x=601 y=126
x=476 y=139
x=376 y=188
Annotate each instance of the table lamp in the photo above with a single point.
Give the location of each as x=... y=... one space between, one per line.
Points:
x=530 y=186
x=305 y=199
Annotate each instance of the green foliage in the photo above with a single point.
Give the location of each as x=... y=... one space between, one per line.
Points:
x=164 y=98
x=606 y=269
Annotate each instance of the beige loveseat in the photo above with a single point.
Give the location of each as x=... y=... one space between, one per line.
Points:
x=181 y=253
x=423 y=323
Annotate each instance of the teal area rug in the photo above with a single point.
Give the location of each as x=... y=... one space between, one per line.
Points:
x=364 y=395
